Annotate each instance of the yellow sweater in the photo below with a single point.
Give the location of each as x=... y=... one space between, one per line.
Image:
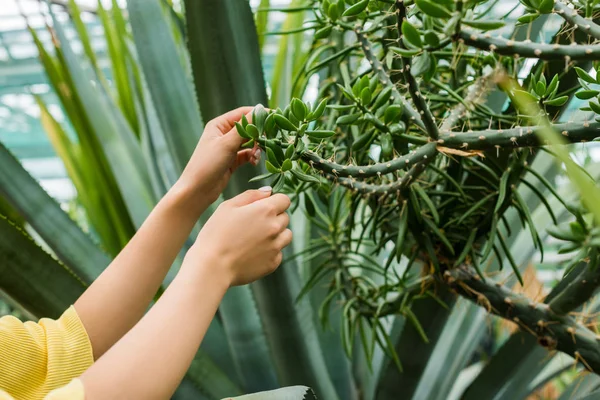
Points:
x=41 y=360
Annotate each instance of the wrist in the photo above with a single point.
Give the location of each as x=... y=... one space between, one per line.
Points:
x=189 y=198
x=199 y=265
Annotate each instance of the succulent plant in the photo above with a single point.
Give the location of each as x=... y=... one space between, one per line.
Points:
x=408 y=170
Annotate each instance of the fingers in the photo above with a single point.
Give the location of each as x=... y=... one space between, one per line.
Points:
x=227 y=121
x=284 y=239
x=250 y=196
x=283 y=220
x=231 y=136
x=277 y=203
x=248 y=155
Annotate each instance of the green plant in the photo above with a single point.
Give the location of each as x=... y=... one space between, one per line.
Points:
x=434 y=169
x=388 y=233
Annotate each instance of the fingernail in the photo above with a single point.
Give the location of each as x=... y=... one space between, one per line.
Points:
x=266 y=189
x=257 y=154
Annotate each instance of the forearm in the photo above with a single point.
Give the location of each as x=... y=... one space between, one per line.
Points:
x=117 y=300
x=152 y=358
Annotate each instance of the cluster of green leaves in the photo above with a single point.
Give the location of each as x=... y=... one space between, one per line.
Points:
x=587 y=92
x=582 y=237
x=534 y=9
x=546 y=93
x=273 y=129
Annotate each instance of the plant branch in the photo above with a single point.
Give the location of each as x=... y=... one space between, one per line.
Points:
x=527 y=49
x=580 y=290
x=369 y=171
x=410 y=113
x=413 y=87
x=554 y=332
x=393 y=188
x=518 y=137
x=574 y=19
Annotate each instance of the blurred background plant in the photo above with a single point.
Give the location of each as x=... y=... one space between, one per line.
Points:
x=122 y=96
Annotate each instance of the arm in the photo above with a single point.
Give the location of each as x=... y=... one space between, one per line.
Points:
x=122 y=293
x=240 y=243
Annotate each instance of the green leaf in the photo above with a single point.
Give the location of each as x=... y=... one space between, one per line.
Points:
x=411 y=34
x=289 y=393
x=527 y=18
x=31 y=277
x=320 y=134
x=272 y=158
x=44 y=214
x=421 y=64
x=584 y=75
x=546 y=6
x=118 y=141
x=413 y=351
x=557 y=102
x=318 y=111
x=586 y=94
x=356 y=8
x=323 y=32
x=432 y=39
x=552 y=86
x=241 y=131
x=392 y=113
x=212 y=381
x=286 y=166
x=241 y=321
x=348 y=119
x=405 y=52
x=334 y=12
x=259 y=117
x=299 y=109
x=271 y=168
x=168 y=81
x=484 y=25
x=432 y=9
x=284 y=123
x=366 y=96
x=252 y=131
x=305 y=177
x=594 y=106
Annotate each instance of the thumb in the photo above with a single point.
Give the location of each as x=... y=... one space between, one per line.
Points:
x=250 y=196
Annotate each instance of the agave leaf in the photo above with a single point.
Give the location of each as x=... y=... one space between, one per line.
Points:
x=63 y=235
x=115 y=34
x=414 y=353
x=102 y=199
x=581 y=386
x=117 y=139
x=172 y=92
x=455 y=348
x=246 y=340
x=286 y=393
x=31 y=277
x=338 y=364
x=290 y=49
x=262 y=20
x=225 y=56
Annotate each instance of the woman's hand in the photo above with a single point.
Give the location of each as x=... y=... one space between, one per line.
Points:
x=243 y=239
x=240 y=243
x=217 y=155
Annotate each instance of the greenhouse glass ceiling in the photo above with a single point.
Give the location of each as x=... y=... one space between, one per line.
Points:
x=21 y=76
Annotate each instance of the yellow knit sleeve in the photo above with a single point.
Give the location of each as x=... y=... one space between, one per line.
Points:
x=36 y=358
